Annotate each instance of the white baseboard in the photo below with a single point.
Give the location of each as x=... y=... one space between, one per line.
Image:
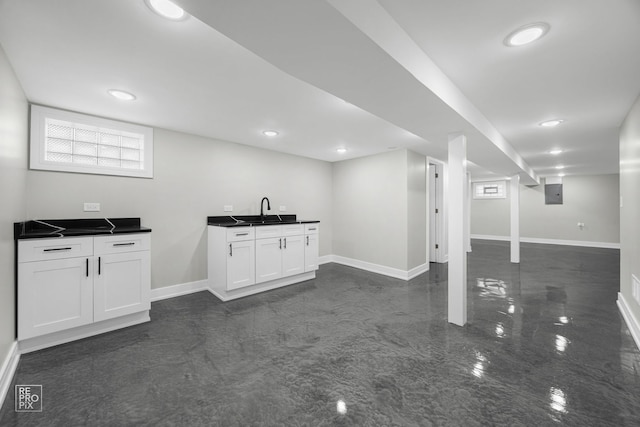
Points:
x=606 y=245
x=630 y=320
x=380 y=269
x=178 y=290
x=8 y=370
x=325 y=259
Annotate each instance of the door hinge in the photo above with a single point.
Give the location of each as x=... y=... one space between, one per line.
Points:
x=436 y=210
x=437 y=175
x=437 y=246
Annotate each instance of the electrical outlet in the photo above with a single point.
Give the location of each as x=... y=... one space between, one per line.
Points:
x=283 y=208
x=91 y=207
x=228 y=208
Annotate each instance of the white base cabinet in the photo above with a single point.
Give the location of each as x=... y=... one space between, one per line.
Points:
x=246 y=260
x=72 y=282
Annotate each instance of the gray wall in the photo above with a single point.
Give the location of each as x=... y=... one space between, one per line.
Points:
x=376 y=199
x=630 y=211
x=194 y=178
x=13 y=169
x=591 y=199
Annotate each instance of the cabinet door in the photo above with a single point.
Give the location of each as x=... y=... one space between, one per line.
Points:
x=311 y=251
x=292 y=255
x=54 y=295
x=268 y=259
x=240 y=264
x=122 y=284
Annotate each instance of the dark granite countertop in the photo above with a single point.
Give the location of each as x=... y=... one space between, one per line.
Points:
x=37 y=229
x=255 y=220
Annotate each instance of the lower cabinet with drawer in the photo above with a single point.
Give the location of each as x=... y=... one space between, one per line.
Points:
x=73 y=287
x=244 y=261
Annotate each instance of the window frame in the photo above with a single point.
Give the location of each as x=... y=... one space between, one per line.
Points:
x=484 y=196
x=37 y=143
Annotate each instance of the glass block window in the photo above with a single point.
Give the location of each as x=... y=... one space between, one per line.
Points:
x=73 y=142
x=489 y=190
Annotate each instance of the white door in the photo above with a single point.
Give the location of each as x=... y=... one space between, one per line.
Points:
x=240 y=264
x=293 y=255
x=122 y=284
x=54 y=295
x=269 y=259
x=436 y=215
x=311 y=252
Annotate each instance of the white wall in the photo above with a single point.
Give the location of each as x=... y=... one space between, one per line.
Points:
x=370 y=201
x=630 y=210
x=379 y=206
x=194 y=178
x=591 y=199
x=13 y=166
x=416 y=210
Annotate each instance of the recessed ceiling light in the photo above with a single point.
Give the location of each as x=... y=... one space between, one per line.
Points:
x=167 y=9
x=526 y=34
x=551 y=123
x=555 y=152
x=270 y=133
x=341 y=150
x=560 y=174
x=560 y=167
x=121 y=94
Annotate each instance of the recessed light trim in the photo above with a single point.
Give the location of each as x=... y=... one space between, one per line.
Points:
x=561 y=174
x=270 y=133
x=526 y=34
x=167 y=9
x=551 y=123
x=555 y=151
x=341 y=150
x=121 y=95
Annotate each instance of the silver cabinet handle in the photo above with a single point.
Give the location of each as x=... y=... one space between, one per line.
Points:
x=280 y=243
x=87 y=267
x=312 y=229
x=242 y=234
x=124 y=244
x=99 y=265
x=307 y=240
x=56 y=249
x=285 y=243
x=230 y=249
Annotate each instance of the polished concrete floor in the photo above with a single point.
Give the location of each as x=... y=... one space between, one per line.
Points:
x=545 y=345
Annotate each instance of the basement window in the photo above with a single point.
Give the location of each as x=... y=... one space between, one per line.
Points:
x=489 y=190
x=72 y=142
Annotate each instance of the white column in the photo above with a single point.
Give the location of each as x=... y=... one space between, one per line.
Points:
x=467 y=213
x=457 y=170
x=514 y=191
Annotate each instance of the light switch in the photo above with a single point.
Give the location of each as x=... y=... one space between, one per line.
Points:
x=91 y=207
x=283 y=208
x=228 y=208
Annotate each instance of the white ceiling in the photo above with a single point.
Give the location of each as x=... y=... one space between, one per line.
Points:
x=412 y=72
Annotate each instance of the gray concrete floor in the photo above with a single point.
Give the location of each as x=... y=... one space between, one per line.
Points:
x=545 y=345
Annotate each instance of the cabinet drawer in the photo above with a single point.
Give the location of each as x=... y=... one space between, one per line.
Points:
x=103 y=245
x=60 y=248
x=268 y=231
x=313 y=228
x=236 y=234
x=292 y=229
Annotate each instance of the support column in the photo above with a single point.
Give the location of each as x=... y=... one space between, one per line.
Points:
x=514 y=191
x=467 y=213
x=457 y=288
